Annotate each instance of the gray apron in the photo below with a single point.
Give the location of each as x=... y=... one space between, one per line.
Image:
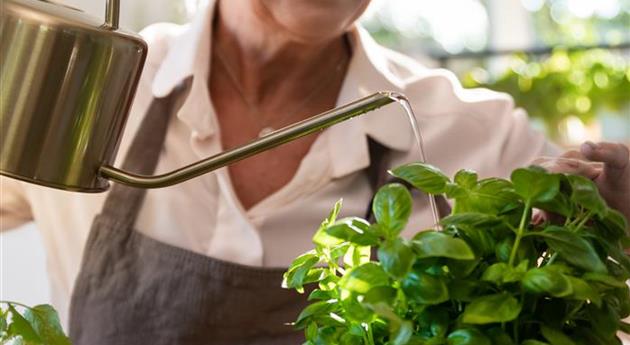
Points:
x=134 y=290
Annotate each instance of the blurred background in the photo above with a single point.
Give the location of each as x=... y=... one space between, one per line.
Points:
x=567 y=62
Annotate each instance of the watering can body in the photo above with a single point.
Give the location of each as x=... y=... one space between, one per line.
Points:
x=68 y=82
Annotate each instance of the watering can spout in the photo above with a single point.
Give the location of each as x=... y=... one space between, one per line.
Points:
x=269 y=141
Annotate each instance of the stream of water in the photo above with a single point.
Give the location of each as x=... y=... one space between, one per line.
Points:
x=404 y=102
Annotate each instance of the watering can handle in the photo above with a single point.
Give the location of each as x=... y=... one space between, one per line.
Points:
x=112 y=14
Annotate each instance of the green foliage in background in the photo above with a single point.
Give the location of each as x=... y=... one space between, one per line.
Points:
x=555 y=24
x=491 y=277
x=24 y=325
x=565 y=84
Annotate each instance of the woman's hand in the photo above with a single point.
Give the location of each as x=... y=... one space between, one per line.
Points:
x=607 y=164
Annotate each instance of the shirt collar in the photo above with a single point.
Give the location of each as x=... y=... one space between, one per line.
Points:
x=368 y=72
x=188 y=58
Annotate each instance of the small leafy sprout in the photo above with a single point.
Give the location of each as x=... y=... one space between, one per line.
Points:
x=491 y=277
x=38 y=325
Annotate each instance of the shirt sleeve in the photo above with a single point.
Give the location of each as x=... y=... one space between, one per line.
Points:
x=15 y=209
x=520 y=143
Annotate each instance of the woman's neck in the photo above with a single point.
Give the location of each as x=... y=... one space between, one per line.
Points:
x=267 y=58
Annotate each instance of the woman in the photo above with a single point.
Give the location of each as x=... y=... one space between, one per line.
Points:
x=241 y=69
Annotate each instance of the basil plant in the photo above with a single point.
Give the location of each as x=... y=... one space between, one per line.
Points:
x=491 y=276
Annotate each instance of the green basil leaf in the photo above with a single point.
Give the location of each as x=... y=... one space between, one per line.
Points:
x=471 y=219
x=334 y=213
x=392 y=207
x=311 y=331
x=495 y=272
x=357 y=330
x=573 y=248
x=396 y=257
x=517 y=273
x=337 y=252
x=437 y=244
x=619 y=301
x=381 y=294
x=317 y=308
x=423 y=176
x=534 y=184
x=499 y=337
x=560 y=204
x=326 y=334
x=475 y=229
x=363 y=278
x=329 y=281
x=21 y=327
x=354 y=230
x=454 y=191
x=584 y=291
x=615 y=251
x=555 y=337
x=585 y=193
x=402 y=334
x=294 y=278
x=351 y=339
x=501 y=272
x=547 y=280
x=467 y=336
x=321 y=238
x=433 y=323
x=315 y=275
x=357 y=255
x=466 y=178
x=501 y=307
x=604 y=279
x=425 y=288
x=463 y=290
x=490 y=196
x=613 y=227
x=321 y=295
x=504 y=249
x=356 y=311
x=45 y=321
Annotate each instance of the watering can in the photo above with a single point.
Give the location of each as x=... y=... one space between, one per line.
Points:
x=68 y=82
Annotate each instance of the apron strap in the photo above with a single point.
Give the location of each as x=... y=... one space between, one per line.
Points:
x=124 y=202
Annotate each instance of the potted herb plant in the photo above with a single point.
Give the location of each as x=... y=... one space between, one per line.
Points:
x=490 y=277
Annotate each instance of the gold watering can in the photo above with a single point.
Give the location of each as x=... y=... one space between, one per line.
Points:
x=67 y=84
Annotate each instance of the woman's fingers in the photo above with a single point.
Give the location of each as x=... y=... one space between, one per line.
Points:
x=575 y=154
x=614 y=156
x=571 y=162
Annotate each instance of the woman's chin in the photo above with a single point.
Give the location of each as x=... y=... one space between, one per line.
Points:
x=314 y=21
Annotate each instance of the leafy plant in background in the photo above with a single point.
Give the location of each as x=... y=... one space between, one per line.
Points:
x=556 y=23
x=578 y=83
x=24 y=325
x=491 y=277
